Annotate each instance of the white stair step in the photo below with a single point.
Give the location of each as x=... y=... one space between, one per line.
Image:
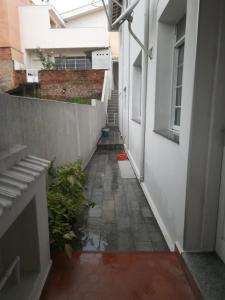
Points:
x=25 y=171
x=9 y=192
x=30 y=166
x=13 y=183
x=13 y=190
x=5 y=203
x=35 y=162
x=18 y=176
x=39 y=159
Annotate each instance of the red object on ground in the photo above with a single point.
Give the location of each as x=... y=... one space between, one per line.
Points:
x=117 y=276
x=122 y=156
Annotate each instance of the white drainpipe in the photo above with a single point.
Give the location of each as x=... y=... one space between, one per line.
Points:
x=145 y=58
x=127 y=15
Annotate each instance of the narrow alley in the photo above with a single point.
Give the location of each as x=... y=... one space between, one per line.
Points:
x=122 y=253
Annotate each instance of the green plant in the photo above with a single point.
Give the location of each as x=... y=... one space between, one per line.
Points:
x=80 y=101
x=46 y=59
x=66 y=201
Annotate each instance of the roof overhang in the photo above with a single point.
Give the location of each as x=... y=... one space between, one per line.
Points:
x=56 y=17
x=83 y=10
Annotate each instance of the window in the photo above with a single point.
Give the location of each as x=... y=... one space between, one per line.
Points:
x=171 y=29
x=178 y=72
x=136 y=96
x=73 y=63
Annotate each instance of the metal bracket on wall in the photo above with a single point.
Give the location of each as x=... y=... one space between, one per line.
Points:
x=148 y=52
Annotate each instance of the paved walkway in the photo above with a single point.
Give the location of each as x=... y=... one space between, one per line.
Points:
x=121 y=219
x=123 y=253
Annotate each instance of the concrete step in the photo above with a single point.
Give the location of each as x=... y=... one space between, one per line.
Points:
x=9 y=182
x=113 y=109
x=112 y=106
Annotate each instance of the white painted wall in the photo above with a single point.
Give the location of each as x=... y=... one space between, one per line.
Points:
x=66 y=131
x=93 y=19
x=166 y=163
x=41 y=35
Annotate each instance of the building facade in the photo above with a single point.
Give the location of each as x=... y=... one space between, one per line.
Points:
x=30 y=33
x=10 y=42
x=171 y=97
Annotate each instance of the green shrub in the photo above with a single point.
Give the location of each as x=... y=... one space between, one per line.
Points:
x=66 y=201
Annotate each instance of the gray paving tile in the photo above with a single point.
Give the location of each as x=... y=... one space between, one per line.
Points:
x=123 y=223
x=95 y=212
x=125 y=241
x=146 y=213
x=208 y=271
x=108 y=240
x=108 y=216
x=144 y=246
x=122 y=219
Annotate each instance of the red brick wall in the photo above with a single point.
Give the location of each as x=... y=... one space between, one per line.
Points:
x=19 y=77
x=67 y=84
x=5 y=53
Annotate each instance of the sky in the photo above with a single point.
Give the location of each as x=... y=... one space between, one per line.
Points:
x=65 y=5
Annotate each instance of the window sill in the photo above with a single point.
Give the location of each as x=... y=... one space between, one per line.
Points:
x=168 y=134
x=138 y=121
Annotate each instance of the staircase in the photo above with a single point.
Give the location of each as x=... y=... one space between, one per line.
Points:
x=112 y=111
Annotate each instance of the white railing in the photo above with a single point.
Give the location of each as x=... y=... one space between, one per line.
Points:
x=112 y=119
x=106 y=89
x=32 y=75
x=64 y=63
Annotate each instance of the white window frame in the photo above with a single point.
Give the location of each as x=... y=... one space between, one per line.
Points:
x=177 y=45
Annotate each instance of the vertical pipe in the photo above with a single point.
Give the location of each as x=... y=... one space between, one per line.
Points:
x=144 y=89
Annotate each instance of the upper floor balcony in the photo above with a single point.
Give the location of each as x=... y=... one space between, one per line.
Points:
x=66 y=38
x=49 y=31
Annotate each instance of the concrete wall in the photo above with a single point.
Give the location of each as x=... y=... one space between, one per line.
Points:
x=51 y=129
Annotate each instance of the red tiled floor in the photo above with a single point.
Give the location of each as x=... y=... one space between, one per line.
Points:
x=117 y=276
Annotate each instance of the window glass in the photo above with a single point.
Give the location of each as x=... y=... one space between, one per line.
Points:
x=177 y=116
x=178 y=69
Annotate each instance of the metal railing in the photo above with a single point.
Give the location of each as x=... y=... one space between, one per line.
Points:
x=112 y=119
x=64 y=63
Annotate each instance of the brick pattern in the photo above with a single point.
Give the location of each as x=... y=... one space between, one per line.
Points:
x=5 y=53
x=19 y=77
x=67 y=84
x=6 y=75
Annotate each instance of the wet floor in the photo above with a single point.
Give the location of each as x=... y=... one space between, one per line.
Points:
x=118 y=276
x=121 y=219
x=121 y=245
